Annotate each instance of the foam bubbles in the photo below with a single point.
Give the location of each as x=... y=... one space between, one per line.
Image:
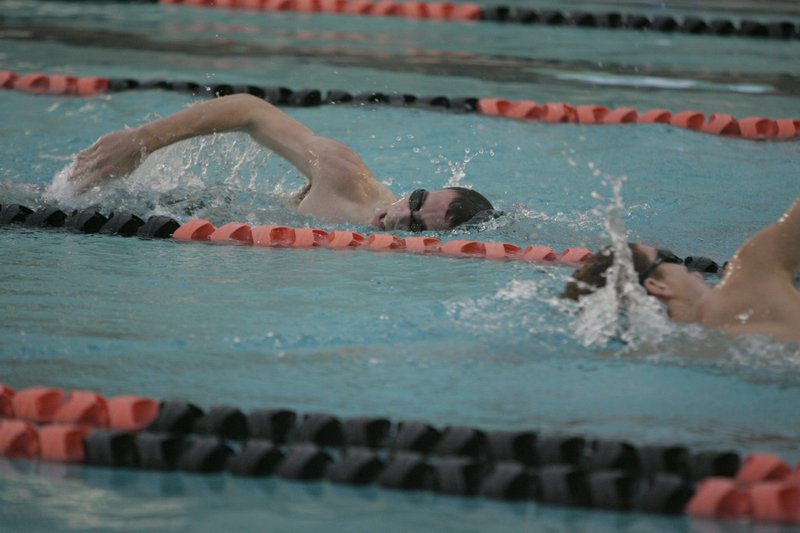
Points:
x=61 y=191
x=222 y=176
x=505 y=310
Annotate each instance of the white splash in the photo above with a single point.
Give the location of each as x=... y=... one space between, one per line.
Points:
x=60 y=190
x=458 y=170
x=214 y=167
x=502 y=311
x=621 y=310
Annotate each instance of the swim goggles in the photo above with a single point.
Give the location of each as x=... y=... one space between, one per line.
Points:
x=415 y=203
x=662 y=256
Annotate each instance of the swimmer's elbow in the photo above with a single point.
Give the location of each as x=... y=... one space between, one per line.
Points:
x=785 y=237
x=775 y=246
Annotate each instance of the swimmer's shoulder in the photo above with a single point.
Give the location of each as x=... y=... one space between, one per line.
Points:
x=763 y=302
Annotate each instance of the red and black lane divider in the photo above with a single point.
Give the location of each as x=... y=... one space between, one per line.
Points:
x=750 y=128
x=54 y=84
x=753 y=128
x=236 y=233
x=451 y=11
x=44 y=423
x=241 y=234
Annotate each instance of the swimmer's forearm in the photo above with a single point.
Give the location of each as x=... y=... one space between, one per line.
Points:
x=118 y=153
x=206 y=118
x=265 y=123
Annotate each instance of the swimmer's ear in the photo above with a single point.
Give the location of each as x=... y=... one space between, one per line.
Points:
x=657 y=288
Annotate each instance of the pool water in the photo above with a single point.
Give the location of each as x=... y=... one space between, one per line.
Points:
x=448 y=341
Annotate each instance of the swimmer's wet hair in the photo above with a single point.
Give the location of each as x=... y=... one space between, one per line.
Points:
x=592 y=274
x=469 y=207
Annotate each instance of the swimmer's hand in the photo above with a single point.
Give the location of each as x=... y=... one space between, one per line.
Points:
x=113 y=156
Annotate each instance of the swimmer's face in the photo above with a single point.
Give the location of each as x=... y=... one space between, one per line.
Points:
x=674 y=276
x=419 y=211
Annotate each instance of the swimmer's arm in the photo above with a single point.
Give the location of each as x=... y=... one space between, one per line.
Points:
x=776 y=247
x=119 y=153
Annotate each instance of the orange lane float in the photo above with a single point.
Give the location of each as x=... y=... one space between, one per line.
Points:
x=53 y=84
x=574 y=256
x=6 y=401
x=655 y=116
x=38 y=404
x=7 y=79
x=751 y=128
x=543 y=254
x=787 y=127
x=238 y=233
x=591 y=114
x=387 y=8
x=131 y=413
x=762 y=467
x=421 y=245
x=44 y=405
x=776 y=501
x=83 y=407
x=765 y=489
x=384 y=242
x=621 y=115
x=758 y=128
x=343 y=239
x=194 y=230
x=279 y=236
x=232 y=233
x=62 y=443
x=597 y=114
x=722 y=124
x=558 y=112
x=18 y=439
x=719 y=498
x=690 y=120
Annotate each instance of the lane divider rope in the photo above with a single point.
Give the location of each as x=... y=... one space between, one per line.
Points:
x=237 y=233
x=452 y=11
x=749 y=128
x=83 y=427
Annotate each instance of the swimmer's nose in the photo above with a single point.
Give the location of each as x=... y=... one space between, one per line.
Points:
x=396 y=218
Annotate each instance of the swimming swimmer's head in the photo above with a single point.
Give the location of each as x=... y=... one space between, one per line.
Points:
x=469 y=207
x=660 y=272
x=592 y=274
x=435 y=210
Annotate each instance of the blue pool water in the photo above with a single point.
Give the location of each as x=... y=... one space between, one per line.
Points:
x=447 y=341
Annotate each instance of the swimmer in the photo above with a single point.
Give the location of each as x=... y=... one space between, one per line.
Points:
x=756 y=295
x=341 y=188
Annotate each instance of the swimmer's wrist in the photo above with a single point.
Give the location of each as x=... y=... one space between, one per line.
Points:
x=147 y=140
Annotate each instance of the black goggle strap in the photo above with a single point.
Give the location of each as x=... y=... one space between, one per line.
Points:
x=704 y=265
x=415 y=203
x=662 y=256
